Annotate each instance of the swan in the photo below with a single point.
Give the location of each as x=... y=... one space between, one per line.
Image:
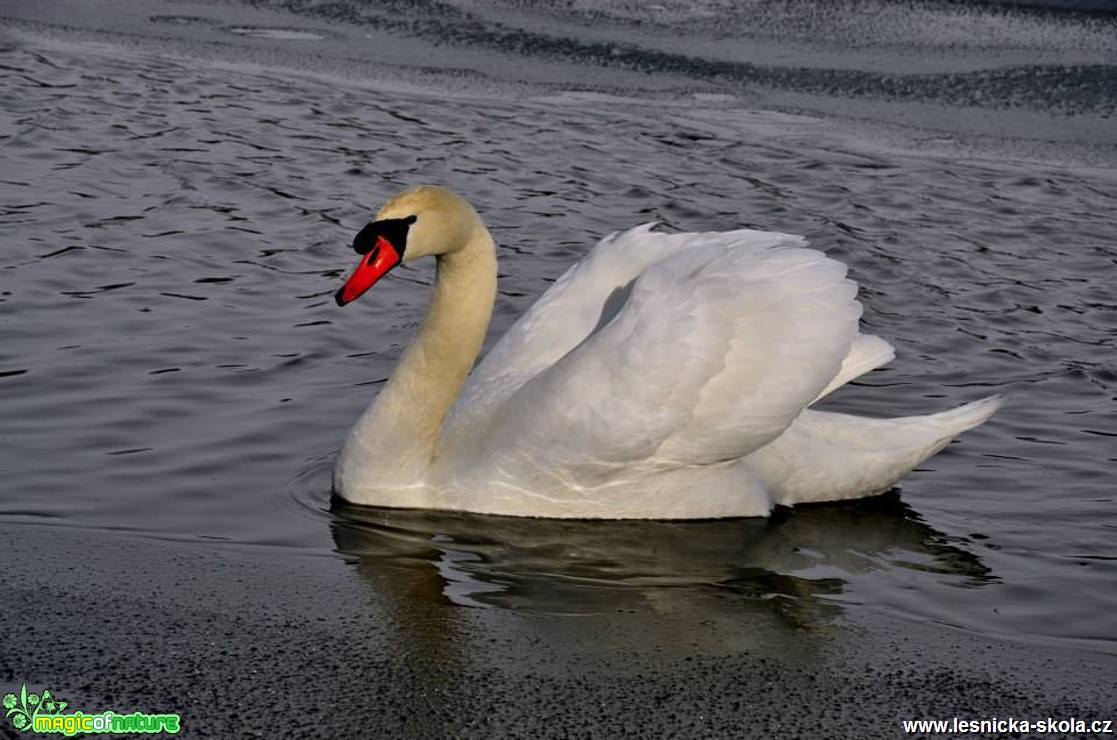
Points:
x=665 y=376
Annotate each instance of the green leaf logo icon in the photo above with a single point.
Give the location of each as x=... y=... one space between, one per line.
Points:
x=23 y=709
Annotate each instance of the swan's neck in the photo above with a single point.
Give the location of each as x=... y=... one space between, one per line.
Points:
x=394 y=440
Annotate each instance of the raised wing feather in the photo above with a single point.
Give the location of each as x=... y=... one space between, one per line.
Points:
x=716 y=349
x=583 y=300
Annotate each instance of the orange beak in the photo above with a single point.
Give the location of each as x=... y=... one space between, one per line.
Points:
x=373 y=266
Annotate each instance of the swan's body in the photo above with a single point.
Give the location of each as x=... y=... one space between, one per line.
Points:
x=665 y=376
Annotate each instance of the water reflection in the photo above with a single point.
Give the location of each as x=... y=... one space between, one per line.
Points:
x=620 y=604
x=788 y=566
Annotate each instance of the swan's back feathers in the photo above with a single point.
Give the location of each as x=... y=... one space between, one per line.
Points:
x=715 y=349
x=585 y=298
x=589 y=293
x=793 y=317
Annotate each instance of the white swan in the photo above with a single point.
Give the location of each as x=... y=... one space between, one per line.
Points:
x=665 y=376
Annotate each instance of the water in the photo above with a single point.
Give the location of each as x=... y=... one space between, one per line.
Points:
x=178 y=197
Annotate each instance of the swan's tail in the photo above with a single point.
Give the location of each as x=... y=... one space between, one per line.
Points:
x=830 y=457
x=966 y=416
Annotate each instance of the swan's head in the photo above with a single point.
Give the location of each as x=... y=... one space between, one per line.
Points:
x=425 y=220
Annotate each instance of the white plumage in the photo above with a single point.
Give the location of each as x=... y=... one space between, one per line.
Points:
x=664 y=376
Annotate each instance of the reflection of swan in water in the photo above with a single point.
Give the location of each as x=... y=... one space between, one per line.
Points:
x=779 y=566
x=581 y=604
x=648 y=596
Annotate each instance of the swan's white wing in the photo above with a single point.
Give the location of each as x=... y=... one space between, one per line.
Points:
x=591 y=292
x=714 y=353
x=582 y=300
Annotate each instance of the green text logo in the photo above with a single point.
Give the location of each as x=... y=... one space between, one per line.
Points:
x=45 y=714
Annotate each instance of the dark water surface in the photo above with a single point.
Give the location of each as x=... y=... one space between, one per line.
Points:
x=173 y=368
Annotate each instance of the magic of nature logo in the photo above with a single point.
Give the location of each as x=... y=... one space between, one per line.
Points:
x=45 y=713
